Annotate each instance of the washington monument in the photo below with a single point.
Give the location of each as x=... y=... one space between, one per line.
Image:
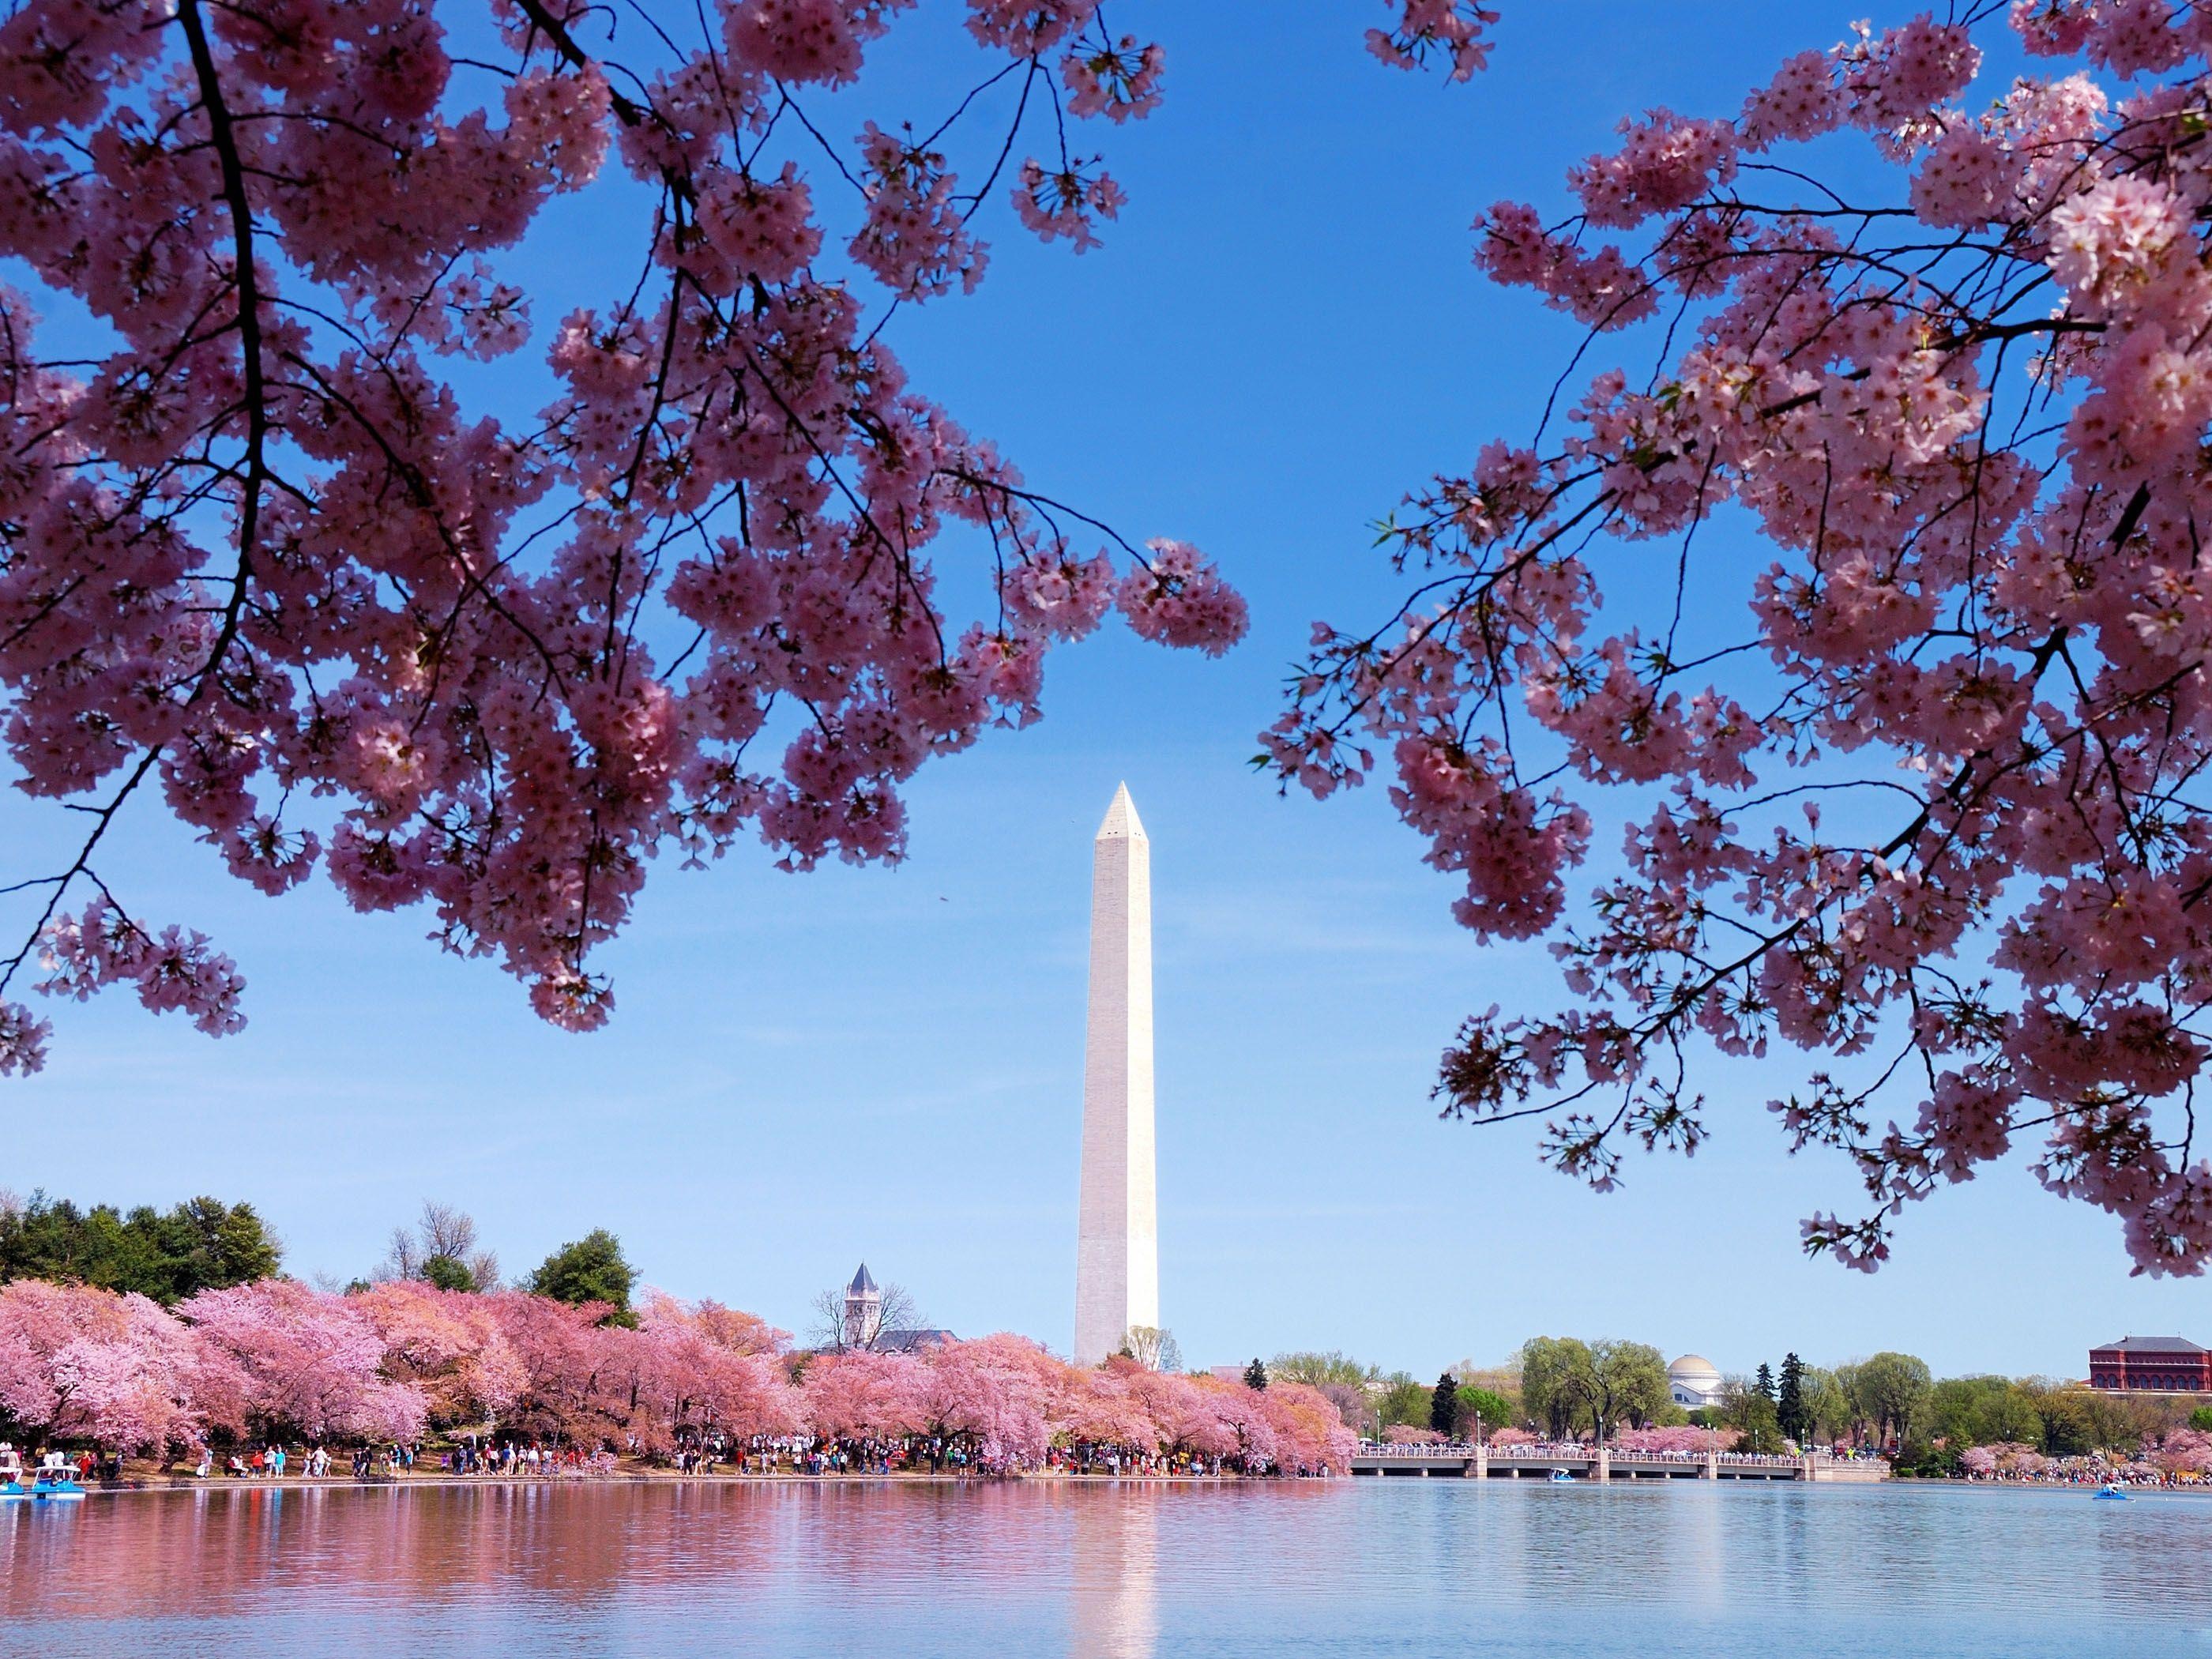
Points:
x=1117 y=1247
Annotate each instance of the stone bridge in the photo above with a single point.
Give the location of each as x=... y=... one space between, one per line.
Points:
x=1586 y=1463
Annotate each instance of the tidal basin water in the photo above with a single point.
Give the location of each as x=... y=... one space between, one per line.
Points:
x=1120 y=1572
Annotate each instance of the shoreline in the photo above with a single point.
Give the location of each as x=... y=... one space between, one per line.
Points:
x=162 y=1486
x=405 y=1483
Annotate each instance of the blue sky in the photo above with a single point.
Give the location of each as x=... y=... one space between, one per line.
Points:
x=1282 y=334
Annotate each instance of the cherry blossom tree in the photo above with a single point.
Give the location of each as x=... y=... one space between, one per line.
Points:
x=1104 y=1408
x=2181 y=1452
x=79 y=1362
x=449 y=1345
x=261 y=554
x=278 y=1356
x=859 y=1394
x=1919 y=789
x=707 y=1369
x=1309 y=1433
x=559 y=1351
x=989 y=1395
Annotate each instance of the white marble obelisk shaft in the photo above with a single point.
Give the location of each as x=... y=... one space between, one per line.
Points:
x=1117 y=1251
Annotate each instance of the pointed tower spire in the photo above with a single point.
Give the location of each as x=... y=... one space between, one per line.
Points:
x=1117 y=1272
x=1121 y=821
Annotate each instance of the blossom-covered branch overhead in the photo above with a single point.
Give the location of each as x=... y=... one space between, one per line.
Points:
x=259 y=553
x=1917 y=789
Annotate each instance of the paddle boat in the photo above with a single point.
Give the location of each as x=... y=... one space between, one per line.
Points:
x=46 y=1487
x=1558 y=1475
x=2116 y=1493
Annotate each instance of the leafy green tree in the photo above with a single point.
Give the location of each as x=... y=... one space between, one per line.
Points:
x=1323 y=1369
x=1828 y=1407
x=2201 y=1419
x=1789 y=1408
x=1926 y=1459
x=1566 y=1382
x=1982 y=1411
x=1255 y=1374
x=202 y=1244
x=2068 y=1428
x=1481 y=1410
x=1752 y=1414
x=592 y=1269
x=1443 y=1404
x=1404 y=1401
x=1891 y=1391
x=1557 y=1381
x=1628 y=1384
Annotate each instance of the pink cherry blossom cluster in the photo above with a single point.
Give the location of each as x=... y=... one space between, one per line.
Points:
x=386 y=1362
x=2180 y=1451
x=1924 y=796
x=259 y=552
x=1066 y=201
x=1117 y=79
x=2002 y=1457
x=1450 y=29
x=914 y=241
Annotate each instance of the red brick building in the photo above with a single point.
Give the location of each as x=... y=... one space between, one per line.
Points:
x=2151 y=1365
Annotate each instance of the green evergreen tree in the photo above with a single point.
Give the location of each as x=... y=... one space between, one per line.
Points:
x=203 y=1244
x=1256 y=1375
x=1790 y=1409
x=447 y=1274
x=1763 y=1384
x=1443 y=1404
x=592 y=1269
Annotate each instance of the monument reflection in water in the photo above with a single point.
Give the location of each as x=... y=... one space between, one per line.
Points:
x=1041 y=1569
x=1114 y=1611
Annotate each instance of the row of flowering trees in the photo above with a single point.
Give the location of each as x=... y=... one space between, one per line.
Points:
x=2179 y=1455
x=278 y=1359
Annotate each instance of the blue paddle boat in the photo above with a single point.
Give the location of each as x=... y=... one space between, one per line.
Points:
x=1558 y=1476
x=2114 y=1493
x=46 y=1487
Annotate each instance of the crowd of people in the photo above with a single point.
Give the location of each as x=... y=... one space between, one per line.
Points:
x=2179 y=1459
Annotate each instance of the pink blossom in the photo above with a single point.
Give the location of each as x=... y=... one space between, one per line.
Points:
x=1177 y=598
x=1451 y=27
x=1120 y=80
x=450 y=653
x=913 y=240
x=281 y=1356
x=1971 y=633
x=22 y=1040
x=1065 y=202
x=1026 y=27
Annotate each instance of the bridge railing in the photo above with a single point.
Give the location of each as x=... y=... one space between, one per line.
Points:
x=1576 y=1450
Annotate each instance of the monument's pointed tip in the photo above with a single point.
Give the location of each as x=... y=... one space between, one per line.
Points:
x=1121 y=820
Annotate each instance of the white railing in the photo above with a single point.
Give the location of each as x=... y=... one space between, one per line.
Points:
x=1577 y=1451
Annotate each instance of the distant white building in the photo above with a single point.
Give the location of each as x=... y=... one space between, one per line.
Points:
x=863 y=1326
x=864 y=1310
x=1695 y=1382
